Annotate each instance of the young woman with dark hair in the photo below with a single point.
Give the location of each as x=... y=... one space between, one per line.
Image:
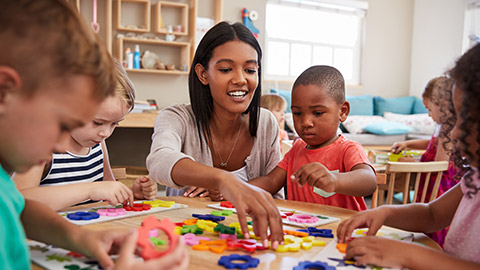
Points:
x=213 y=146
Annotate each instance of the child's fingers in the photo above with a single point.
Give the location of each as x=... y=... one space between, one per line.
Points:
x=128 y=248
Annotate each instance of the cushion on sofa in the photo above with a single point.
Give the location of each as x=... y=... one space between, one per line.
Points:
x=355 y=123
x=418 y=107
x=287 y=95
x=361 y=105
x=387 y=128
x=401 y=105
x=420 y=123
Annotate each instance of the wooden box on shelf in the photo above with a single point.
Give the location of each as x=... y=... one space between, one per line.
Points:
x=184 y=53
x=161 y=25
x=146 y=16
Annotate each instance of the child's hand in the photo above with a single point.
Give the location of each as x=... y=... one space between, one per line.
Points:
x=144 y=188
x=398 y=147
x=215 y=195
x=406 y=159
x=111 y=191
x=371 y=219
x=379 y=251
x=315 y=175
x=178 y=259
x=195 y=191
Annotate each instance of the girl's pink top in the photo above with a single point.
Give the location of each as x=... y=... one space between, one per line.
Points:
x=463 y=238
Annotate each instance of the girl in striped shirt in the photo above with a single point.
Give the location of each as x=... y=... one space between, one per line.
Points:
x=82 y=173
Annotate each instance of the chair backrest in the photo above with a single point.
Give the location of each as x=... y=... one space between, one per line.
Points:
x=119 y=173
x=398 y=177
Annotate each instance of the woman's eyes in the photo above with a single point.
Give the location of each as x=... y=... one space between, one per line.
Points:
x=248 y=70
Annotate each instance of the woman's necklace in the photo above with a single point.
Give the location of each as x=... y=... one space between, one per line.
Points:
x=224 y=164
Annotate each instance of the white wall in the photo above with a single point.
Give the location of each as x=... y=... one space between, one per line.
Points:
x=437 y=39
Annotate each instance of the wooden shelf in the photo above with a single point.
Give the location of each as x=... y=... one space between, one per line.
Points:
x=184 y=54
x=157 y=71
x=155 y=41
x=161 y=26
x=146 y=16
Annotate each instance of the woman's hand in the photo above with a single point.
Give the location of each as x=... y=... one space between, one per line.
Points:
x=195 y=191
x=144 y=188
x=371 y=219
x=256 y=202
x=215 y=195
x=111 y=191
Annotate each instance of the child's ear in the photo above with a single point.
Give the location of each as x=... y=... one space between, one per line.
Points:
x=9 y=81
x=201 y=74
x=344 y=111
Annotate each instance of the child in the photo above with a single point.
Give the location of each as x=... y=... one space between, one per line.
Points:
x=458 y=208
x=53 y=75
x=437 y=97
x=322 y=167
x=76 y=176
x=276 y=104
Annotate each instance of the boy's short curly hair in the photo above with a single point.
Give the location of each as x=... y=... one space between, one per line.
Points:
x=47 y=39
x=324 y=76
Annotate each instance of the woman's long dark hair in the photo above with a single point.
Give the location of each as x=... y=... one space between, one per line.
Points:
x=200 y=96
x=466 y=74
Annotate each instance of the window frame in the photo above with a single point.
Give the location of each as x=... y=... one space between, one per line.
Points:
x=357 y=8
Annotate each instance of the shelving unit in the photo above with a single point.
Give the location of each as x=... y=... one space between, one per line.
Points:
x=178 y=52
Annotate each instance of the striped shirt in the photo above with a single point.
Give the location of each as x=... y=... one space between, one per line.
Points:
x=67 y=168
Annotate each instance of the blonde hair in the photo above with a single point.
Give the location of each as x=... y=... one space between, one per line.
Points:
x=272 y=101
x=47 y=40
x=124 y=87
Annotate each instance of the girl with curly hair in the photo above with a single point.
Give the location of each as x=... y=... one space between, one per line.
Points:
x=458 y=208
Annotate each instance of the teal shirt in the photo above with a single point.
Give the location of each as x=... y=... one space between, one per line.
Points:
x=14 y=252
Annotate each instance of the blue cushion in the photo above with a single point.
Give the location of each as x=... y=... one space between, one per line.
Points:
x=387 y=128
x=401 y=105
x=361 y=105
x=287 y=95
x=418 y=107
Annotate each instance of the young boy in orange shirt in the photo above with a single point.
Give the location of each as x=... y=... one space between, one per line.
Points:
x=322 y=167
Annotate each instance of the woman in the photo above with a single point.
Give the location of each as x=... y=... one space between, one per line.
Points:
x=215 y=143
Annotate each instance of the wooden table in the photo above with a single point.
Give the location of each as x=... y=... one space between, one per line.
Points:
x=269 y=259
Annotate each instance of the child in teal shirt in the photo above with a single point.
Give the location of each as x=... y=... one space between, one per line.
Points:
x=53 y=76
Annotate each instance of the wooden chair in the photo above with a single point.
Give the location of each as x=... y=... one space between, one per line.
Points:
x=402 y=172
x=119 y=173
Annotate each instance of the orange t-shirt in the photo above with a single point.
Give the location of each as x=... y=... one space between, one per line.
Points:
x=340 y=156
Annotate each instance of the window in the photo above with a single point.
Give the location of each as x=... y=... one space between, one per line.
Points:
x=302 y=33
x=471 y=33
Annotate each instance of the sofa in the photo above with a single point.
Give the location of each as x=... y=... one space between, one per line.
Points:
x=375 y=120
